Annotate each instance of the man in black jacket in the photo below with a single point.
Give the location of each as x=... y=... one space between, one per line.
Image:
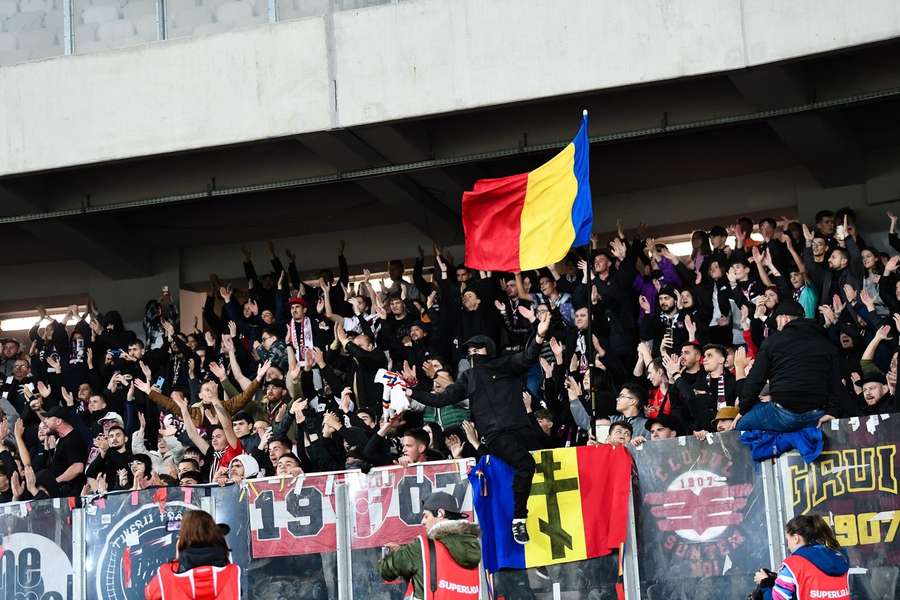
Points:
x=494 y=388
x=802 y=369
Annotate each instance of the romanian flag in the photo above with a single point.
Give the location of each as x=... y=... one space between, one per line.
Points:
x=531 y=220
x=578 y=507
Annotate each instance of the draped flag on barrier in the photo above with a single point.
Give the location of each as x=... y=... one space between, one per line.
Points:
x=578 y=507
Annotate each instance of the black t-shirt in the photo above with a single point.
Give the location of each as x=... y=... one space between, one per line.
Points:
x=69 y=450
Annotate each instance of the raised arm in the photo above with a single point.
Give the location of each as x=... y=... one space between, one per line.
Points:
x=190 y=428
x=225 y=422
x=228 y=348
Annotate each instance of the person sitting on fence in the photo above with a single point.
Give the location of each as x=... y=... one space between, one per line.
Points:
x=816 y=568
x=803 y=374
x=201 y=569
x=445 y=558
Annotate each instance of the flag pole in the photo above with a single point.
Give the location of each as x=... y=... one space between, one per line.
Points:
x=589 y=342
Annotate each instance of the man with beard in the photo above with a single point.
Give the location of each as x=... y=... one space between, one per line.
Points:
x=67 y=465
x=666 y=328
x=113 y=461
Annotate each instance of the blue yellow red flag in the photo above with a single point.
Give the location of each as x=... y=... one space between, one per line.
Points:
x=531 y=220
x=578 y=507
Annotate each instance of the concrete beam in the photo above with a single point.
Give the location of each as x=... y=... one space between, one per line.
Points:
x=402 y=194
x=394 y=62
x=100 y=240
x=820 y=141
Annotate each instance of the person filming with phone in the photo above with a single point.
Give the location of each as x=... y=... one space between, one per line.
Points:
x=201 y=569
x=816 y=568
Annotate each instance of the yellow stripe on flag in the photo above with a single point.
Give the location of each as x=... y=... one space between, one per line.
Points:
x=547 y=233
x=555 y=523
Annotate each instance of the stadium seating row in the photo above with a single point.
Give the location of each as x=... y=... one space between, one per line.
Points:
x=33 y=29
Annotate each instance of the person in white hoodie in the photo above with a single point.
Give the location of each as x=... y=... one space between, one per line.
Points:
x=168 y=450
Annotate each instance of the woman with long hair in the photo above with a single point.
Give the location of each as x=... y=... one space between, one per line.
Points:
x=201 y=569
x=816 y=568
x=700 y=249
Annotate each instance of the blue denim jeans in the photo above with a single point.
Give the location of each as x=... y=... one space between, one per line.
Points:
x=771 y=416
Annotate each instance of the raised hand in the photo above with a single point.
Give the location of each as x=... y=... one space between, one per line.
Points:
x=868 y=301
x=409 y=372
x=501 y=307
x=261 y=370
x=543 y=325
x=53 y=363
x=68 y=398
x=837 y=304
x=672 y=364
x=849 y=293
x=546 y=367
x=218 y=370
x=573 y=387
x=644 y=304
x=318 y=356
x=691 y=327
x=43 y=389
x=527 y=312
x=740 y=358
x=454 y=445
x=618 y=249
x=892 y=263
x=471 y=433
x=227 y=344
x=226 y=293
x=430 y=368
x=883 y=332
x=557 y=349
x=828 y=314
x=142 y=385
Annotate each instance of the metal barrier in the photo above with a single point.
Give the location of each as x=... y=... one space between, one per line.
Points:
x=705 y=518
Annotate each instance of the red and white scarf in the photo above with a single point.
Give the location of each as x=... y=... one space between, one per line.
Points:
x=300 y=346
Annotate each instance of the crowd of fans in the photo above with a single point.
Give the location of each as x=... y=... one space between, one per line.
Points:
x=282 y=378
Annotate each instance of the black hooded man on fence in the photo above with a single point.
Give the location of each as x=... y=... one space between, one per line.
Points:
x=494 y=387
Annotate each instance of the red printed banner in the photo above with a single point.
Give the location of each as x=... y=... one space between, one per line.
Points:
x=292 y=517
x=295 y=517
x=386 y=503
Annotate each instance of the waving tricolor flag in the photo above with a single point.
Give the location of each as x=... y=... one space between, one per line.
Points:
x=531 y=220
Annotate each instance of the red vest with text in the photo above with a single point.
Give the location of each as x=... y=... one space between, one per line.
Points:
x=199 y=583
x=442 y=577
x=813 y=584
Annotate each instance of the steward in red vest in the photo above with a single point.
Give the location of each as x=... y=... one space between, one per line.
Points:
x=816 y=569
x=443 y=564
x=200 y=583
x=201 y=569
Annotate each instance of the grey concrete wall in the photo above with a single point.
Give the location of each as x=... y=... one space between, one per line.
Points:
x=394 y=61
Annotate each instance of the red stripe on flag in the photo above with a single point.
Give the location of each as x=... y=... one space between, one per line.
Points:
x=604 y=474
x=491 y=215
